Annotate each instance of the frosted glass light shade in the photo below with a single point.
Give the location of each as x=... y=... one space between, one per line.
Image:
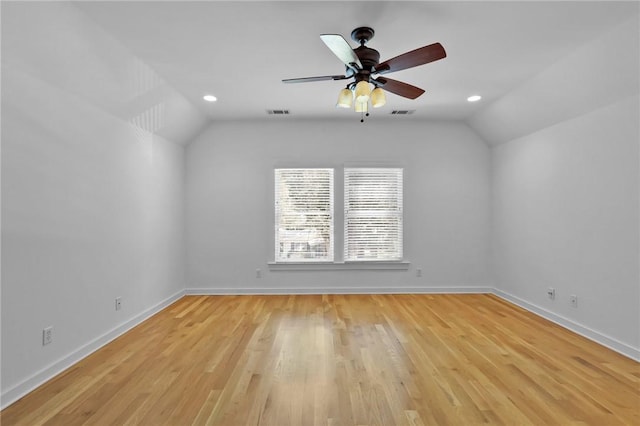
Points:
x=362 y=91
x=345 y=99
x=378 y=98
x=362 y=106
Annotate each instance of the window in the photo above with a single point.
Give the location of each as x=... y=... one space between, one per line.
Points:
x=304 y=221
x=372 y=214
x=304 y=215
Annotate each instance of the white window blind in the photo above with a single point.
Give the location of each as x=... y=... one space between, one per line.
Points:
x=372 y=214
x=304 y=215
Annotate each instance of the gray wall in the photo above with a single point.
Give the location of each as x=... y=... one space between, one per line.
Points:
x=230 y=207
x=566 y=216
x=92 y=200
x=565 y=209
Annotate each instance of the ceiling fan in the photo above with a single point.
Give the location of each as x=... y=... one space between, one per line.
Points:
x=364 y=67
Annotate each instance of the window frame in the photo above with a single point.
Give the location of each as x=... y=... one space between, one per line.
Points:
x=330 y=250
x=350 y=175
x=338 y=263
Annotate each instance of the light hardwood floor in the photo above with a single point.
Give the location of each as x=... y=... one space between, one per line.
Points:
x=341 y=360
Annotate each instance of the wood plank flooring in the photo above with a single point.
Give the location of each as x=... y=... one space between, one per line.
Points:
x=341 y=360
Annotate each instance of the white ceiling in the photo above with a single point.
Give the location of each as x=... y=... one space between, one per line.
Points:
x=240 y=51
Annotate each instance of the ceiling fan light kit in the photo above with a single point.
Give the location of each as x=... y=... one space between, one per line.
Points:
x=362 y=91
x=345 y=98
x=362 y=107
x=378 y=98
x=364 y=67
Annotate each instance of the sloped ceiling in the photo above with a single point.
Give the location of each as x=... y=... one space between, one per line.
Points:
x=240 y=51
x=601 y=72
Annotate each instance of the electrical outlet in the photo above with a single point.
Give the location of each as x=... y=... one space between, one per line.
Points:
x=551 y=292
x=573 y=299
x=118 y=303
x=419 y=272
x=258 y=273
x=47 y=336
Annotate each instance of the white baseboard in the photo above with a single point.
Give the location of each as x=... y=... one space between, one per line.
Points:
x=584 y=331
x=337 y=290
x=39 y=378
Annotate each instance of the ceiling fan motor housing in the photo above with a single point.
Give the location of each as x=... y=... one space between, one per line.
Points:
x=369 y=58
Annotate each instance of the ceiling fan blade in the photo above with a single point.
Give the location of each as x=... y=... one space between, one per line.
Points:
x=339 y=46
x=319 y=78
x=398 y=87
x=421 y=56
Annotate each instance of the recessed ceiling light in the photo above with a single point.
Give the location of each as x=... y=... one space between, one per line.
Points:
x=209 y=98
x=474 y=98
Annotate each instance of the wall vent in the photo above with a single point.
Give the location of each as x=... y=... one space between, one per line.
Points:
x=278 y=111
x=403 y=111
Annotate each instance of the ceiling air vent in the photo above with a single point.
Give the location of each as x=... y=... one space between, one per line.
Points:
x=403 y=111
x=278 y=111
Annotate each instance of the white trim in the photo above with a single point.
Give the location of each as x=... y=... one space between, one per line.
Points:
x=582 y=330
x=338 y=266
x=57 y=367
x=337 y=290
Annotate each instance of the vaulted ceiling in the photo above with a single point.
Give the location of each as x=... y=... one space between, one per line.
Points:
x=240 y=51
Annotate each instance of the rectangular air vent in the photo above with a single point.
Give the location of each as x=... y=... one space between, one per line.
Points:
x=278 y=111
x=403 y=111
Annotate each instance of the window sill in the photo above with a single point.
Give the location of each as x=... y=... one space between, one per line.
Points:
x=339 y=266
